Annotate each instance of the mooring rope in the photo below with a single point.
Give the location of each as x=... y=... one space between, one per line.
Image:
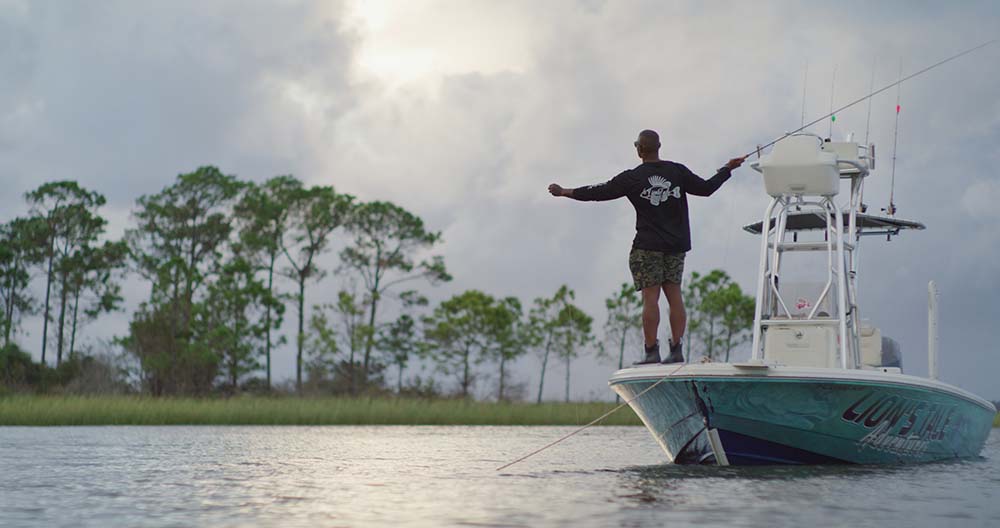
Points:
x=596 y=420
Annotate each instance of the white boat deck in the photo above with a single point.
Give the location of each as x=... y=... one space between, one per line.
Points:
x=751 y=370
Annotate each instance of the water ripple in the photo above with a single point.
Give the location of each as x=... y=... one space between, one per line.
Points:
x=434 y=476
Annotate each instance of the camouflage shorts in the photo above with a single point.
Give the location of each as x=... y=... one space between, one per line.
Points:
x=653 y=268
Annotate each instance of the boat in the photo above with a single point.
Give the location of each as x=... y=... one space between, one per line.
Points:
x=822 y=385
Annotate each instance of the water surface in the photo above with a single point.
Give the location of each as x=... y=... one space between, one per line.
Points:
x=434 y=476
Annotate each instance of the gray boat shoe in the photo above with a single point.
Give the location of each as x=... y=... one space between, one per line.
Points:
x=675 y=356
x=652 y=356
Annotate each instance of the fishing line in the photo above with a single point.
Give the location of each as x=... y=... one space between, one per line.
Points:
x=873 y=94
x=729 y=232
x=598 y=419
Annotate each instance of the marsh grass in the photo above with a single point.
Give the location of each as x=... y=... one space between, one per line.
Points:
x=121 y=410
x=996 y=420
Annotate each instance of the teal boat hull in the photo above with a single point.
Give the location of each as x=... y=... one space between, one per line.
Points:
x=785 y=419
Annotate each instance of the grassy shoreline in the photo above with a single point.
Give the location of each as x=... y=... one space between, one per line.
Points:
x=125 y=410
x=134 y=410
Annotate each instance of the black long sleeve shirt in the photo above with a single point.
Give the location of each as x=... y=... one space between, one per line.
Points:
x=658 y=190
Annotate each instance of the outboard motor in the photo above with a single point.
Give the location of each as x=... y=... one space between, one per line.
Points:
x=891 y=356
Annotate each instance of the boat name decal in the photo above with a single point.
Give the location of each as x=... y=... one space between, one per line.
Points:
x=900 y=425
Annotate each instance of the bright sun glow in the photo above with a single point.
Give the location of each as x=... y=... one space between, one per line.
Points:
x=405 y=42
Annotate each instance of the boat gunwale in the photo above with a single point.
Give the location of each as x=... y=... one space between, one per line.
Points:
x=786 y=373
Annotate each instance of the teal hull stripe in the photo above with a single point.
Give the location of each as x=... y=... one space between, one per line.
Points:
x=881 y=384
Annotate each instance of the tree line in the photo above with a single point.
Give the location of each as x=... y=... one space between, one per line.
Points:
x=224 y=259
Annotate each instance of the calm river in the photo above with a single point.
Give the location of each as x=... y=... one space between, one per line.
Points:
x=445 y=476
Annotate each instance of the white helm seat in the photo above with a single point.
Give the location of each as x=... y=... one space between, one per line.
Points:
x=797 y=166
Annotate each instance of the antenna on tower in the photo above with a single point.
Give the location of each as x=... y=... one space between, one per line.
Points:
x=868 y=121
x=868 y=128
x=895 y=140
x=833 y=118
x=805 y=79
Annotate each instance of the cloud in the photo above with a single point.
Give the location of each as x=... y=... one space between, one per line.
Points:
x=124 y=96
x=463 y=112
x=981 y=198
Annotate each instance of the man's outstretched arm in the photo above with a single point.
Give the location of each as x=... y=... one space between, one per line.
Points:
x=614 y=188
x=699 y=187
x=556 y=190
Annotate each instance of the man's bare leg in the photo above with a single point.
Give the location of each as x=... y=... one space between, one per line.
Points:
x=678 y=317
x=678 y=320
x=650 y=322
x=650 y=314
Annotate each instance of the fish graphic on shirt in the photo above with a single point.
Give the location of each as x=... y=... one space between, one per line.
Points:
x=659 y=190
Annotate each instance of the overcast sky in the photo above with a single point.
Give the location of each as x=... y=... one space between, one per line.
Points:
x=463 y=112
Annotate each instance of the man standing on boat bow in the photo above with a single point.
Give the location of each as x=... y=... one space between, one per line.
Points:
x=658 y=190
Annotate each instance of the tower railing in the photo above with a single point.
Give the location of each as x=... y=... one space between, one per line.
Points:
x=803 y=177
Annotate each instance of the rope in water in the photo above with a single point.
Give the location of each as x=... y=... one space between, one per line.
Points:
x=869 y=96
x=598 y=419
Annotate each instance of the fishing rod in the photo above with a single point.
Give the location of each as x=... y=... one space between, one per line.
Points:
x=869 y=96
